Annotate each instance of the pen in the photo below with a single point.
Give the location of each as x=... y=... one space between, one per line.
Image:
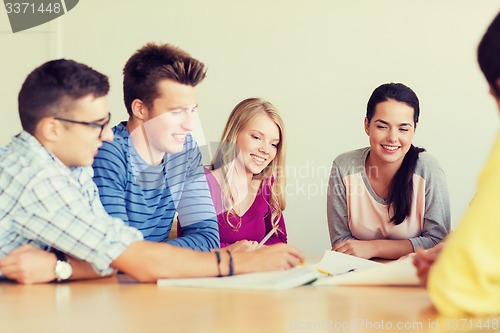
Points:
x=269 y=234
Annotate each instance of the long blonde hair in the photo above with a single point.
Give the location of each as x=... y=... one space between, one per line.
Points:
x=227 y=152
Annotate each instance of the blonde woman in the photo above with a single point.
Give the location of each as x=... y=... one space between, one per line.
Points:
x=248 y=177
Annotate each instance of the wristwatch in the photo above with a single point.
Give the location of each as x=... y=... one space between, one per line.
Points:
x=63 y=269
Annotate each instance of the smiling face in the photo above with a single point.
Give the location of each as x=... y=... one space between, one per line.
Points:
x=391 y=132
x=171 y=117
x=258 y=143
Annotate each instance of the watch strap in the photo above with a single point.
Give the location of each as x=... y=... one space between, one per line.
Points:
x=60 y=256
x=62 y=263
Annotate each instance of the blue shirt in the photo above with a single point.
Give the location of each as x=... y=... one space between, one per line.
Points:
x=147 y=197
x=47 y=204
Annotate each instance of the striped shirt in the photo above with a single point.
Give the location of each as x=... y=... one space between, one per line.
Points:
x=47 y=204
x=147 y=197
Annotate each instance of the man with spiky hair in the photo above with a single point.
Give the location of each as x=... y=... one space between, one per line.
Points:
x=153 y=167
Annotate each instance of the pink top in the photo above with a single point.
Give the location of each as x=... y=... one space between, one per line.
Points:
x=368 y=217
x=255 y=222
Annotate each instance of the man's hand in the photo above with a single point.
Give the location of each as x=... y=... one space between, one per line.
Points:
x=28 y=264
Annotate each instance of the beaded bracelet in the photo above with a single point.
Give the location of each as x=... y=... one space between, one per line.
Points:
x=230 y=263
x=217 y=255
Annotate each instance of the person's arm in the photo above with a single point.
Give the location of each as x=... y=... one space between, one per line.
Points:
x=336 y=208
x=377 y=248
x=29 y=264
x=192 y=197
x=437 y=217
x=148 y=262
x=71 y=219
x=464 y=279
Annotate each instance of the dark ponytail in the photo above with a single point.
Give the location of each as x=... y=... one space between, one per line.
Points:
x=401 y=189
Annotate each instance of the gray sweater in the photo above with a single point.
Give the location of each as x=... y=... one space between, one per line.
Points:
x=365 y=215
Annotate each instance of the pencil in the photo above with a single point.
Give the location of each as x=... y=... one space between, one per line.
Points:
x=269 y=234
x=324 y=272
x=330 y=274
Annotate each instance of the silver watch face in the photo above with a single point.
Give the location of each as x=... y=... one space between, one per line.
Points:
x=63 y=270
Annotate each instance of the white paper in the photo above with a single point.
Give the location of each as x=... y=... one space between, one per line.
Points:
x=346 y=270
x=276 y=280
x=340 y=263
x=396 y=273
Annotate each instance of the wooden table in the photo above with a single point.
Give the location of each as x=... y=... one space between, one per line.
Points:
x=108 y=306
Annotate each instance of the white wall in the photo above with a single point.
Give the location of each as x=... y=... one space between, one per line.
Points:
x=317 y=61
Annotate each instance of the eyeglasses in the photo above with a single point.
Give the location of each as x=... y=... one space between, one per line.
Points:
x=91 y=124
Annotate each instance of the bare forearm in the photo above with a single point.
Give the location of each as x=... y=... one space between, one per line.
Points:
x=391 y=249
x=82 y=270
x=148 y=262
x=164 y=261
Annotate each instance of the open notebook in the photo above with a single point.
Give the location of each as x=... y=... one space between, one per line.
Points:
x=275 y=280
x=334 y=269
x=349 y=270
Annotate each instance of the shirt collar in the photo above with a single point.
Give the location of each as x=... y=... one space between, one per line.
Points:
x=26 y=141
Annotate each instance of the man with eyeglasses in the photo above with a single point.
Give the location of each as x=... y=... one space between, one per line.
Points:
x=97 y=124
x=152 y=169
x=48 y=200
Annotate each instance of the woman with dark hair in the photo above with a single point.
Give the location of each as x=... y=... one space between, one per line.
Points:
x=388 y=199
